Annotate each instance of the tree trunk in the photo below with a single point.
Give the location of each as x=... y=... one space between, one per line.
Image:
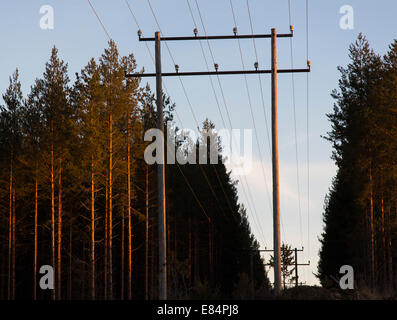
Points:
x=92 y=229
x=129 y=210
x=10 y=235
x=13 y=242
x=372 y=231
x=106 y=270
x=52 y=217
x=384 y=276
x=35 y=235
x=153 y=261
x=147 y=235
x=59 y=274
x=389 y=255
x=122 y=254
x=70 y=287
x=110 y=206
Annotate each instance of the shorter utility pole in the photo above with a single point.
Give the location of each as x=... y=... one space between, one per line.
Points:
x=295 y=263
x=161 y=179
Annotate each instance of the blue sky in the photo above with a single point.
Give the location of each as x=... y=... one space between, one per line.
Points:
x=79 y=36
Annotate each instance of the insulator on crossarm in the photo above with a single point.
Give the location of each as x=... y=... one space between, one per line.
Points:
x=256 y=65
x=291 y=28
x=309 y=64
x=216 y=67
x=139 y=33
x=235 y=31
x=177 y=68
x=195 y=31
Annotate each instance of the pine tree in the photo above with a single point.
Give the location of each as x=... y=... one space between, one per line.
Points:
x=12 y=139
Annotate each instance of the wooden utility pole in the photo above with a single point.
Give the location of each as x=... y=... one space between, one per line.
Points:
x=161 y=179
x=276 y=193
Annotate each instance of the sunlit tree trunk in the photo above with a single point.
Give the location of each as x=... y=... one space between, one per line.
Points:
x=389 y=255
x=384 y=246
x=52 y=212
x=92 y=229
x=147 y=235
x=110 y=206
x=153 y=264
x=129 y=210
x=70 y=287
x=59 y=274
x=122 y=254
x=106 y=270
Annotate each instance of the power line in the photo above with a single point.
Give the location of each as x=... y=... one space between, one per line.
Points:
x=220 y=112
x=230 y=122
x=99 y=19
x=217 y=103
x=173 y=60
x=251 y=110
x=180 y=169
x=188 y=100
x=295 y=131
x=150 y=52
x=260 y=80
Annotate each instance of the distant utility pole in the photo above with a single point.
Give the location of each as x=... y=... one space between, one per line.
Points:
x=160 y=124
x=295 y=264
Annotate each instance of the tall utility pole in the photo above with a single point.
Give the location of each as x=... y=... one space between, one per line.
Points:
x=161 y=180
x=276 y=192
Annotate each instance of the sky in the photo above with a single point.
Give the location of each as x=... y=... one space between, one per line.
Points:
x=79 y=36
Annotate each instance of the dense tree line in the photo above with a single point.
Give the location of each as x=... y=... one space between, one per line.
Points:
x=360 y=209
x=76 y=194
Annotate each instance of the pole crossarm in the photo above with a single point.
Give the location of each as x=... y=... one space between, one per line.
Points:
x=229 y=37
x=213 y=73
